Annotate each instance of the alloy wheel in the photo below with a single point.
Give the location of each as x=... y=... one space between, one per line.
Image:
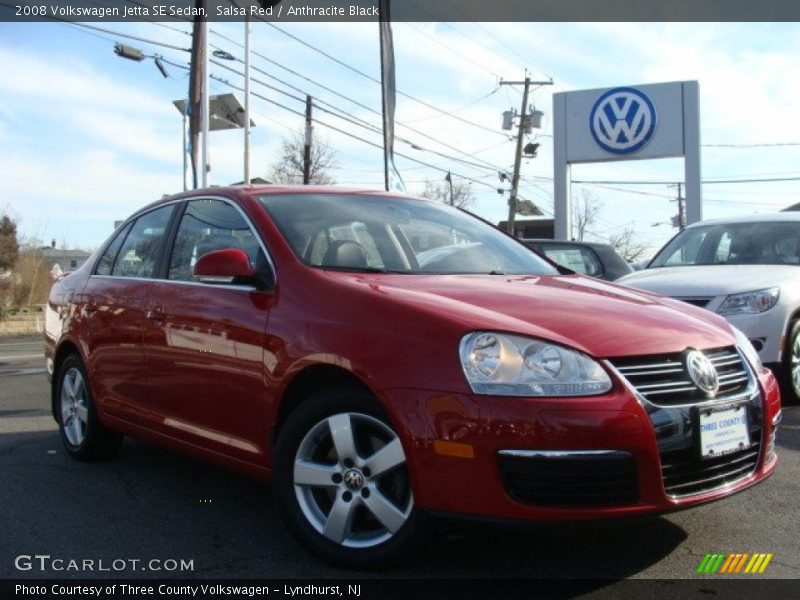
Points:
x=74 y=407
x=350 y=480
x=794 y=365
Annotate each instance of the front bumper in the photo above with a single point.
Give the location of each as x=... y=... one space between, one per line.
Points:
x=765 y=331
x=469 y=472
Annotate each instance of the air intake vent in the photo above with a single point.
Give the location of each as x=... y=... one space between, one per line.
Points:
x=570 y=479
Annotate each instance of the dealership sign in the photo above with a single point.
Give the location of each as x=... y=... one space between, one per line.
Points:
x=623 y=123
x=633 y=122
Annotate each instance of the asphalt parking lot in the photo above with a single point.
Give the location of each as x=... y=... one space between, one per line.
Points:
x=151 y=504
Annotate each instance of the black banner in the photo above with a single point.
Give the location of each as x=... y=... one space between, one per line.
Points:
x=376 y=588
x=402 y=10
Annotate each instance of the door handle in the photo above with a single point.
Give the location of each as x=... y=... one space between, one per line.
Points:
x=156 y=314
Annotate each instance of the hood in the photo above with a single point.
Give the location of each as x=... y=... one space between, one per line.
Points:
x=601 y=319
x=710 y=280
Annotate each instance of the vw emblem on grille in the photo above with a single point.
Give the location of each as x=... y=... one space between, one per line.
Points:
x=702 y=372
x=622 y=120
x=353 y=480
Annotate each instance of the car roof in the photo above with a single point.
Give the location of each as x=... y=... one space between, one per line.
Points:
x=269 y=188
x=759 y=218
x=262 y=189
x=565 y=242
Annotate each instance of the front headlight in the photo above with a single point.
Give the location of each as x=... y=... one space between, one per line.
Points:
x=746 y=346
x=750 y=302
x=511 y=365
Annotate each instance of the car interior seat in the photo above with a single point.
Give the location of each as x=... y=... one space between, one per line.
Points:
x=346 y=254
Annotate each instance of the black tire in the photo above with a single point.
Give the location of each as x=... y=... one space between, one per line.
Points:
x=345 y=485
x=791 y=365
x=82 y=434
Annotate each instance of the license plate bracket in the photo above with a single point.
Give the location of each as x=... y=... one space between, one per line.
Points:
x=723 y=431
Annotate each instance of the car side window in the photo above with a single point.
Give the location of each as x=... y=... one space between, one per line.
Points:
x=105 y=263
x=208 y=225
x=139 y=254
x=580 y=260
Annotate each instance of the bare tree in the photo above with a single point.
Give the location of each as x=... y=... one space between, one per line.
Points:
x=289 y=168
x=627 y=244
x=585 y=210
x=439 y=191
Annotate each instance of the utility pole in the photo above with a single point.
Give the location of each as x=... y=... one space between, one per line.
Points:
x=205 y=95
x=681 y=210
x=449 y=179
x=195 y=104
x=523 y=126
x=198 y=96
x=247 y=101
x=307 y=147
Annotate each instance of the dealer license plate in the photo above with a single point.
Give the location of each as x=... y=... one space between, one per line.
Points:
x=723 y=431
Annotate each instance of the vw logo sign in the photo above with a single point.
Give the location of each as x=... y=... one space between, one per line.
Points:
x=702 y=372
x=622 y=120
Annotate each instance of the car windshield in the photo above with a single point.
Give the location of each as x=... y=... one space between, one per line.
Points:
x=763 y=243
x=397 y=235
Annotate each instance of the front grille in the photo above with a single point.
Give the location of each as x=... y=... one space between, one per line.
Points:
x=664 y=381
x=702 y=302
x=570 y=480
x=685 y=475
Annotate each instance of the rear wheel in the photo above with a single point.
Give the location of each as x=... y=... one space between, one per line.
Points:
x=82 y=434
x=342 y=481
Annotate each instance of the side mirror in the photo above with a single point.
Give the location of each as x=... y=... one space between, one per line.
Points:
x=224 y=266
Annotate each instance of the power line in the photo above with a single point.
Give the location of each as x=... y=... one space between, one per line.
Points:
x=373 y=79
x=351 y=135
x=355 y=120
x=704 y=182
x=451 y=50
x=130 y=37
x=359 y=104
x=350 y=118
x=765 y=145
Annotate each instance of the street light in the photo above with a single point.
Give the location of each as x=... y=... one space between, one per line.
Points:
x=224 y=112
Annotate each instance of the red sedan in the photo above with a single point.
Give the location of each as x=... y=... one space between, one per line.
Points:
x=385 y=358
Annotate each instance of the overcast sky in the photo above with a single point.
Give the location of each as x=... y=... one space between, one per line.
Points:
x=87 y=137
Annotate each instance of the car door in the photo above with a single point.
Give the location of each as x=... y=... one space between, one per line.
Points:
x=114 y=304
x=205 y=342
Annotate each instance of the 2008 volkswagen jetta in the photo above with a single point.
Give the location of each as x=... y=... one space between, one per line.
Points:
x=383 y=358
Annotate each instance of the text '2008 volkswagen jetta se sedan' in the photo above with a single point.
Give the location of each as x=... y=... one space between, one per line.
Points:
x=383 y=358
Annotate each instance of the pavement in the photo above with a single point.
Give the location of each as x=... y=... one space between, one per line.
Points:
x=150 y=504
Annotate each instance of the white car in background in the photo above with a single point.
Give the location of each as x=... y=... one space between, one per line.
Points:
x=746 y=269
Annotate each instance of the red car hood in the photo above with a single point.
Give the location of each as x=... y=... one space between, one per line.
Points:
x=601 y=319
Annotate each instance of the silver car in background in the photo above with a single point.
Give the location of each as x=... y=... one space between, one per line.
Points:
x=746 y=269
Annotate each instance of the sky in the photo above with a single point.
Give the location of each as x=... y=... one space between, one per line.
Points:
x=86 y=137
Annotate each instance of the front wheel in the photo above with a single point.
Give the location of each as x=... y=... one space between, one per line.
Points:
x=791 y=365
x=342 y=481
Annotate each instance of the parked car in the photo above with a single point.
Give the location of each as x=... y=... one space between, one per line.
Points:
x=294 y=333
x=587 y=258
x=746 y=269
